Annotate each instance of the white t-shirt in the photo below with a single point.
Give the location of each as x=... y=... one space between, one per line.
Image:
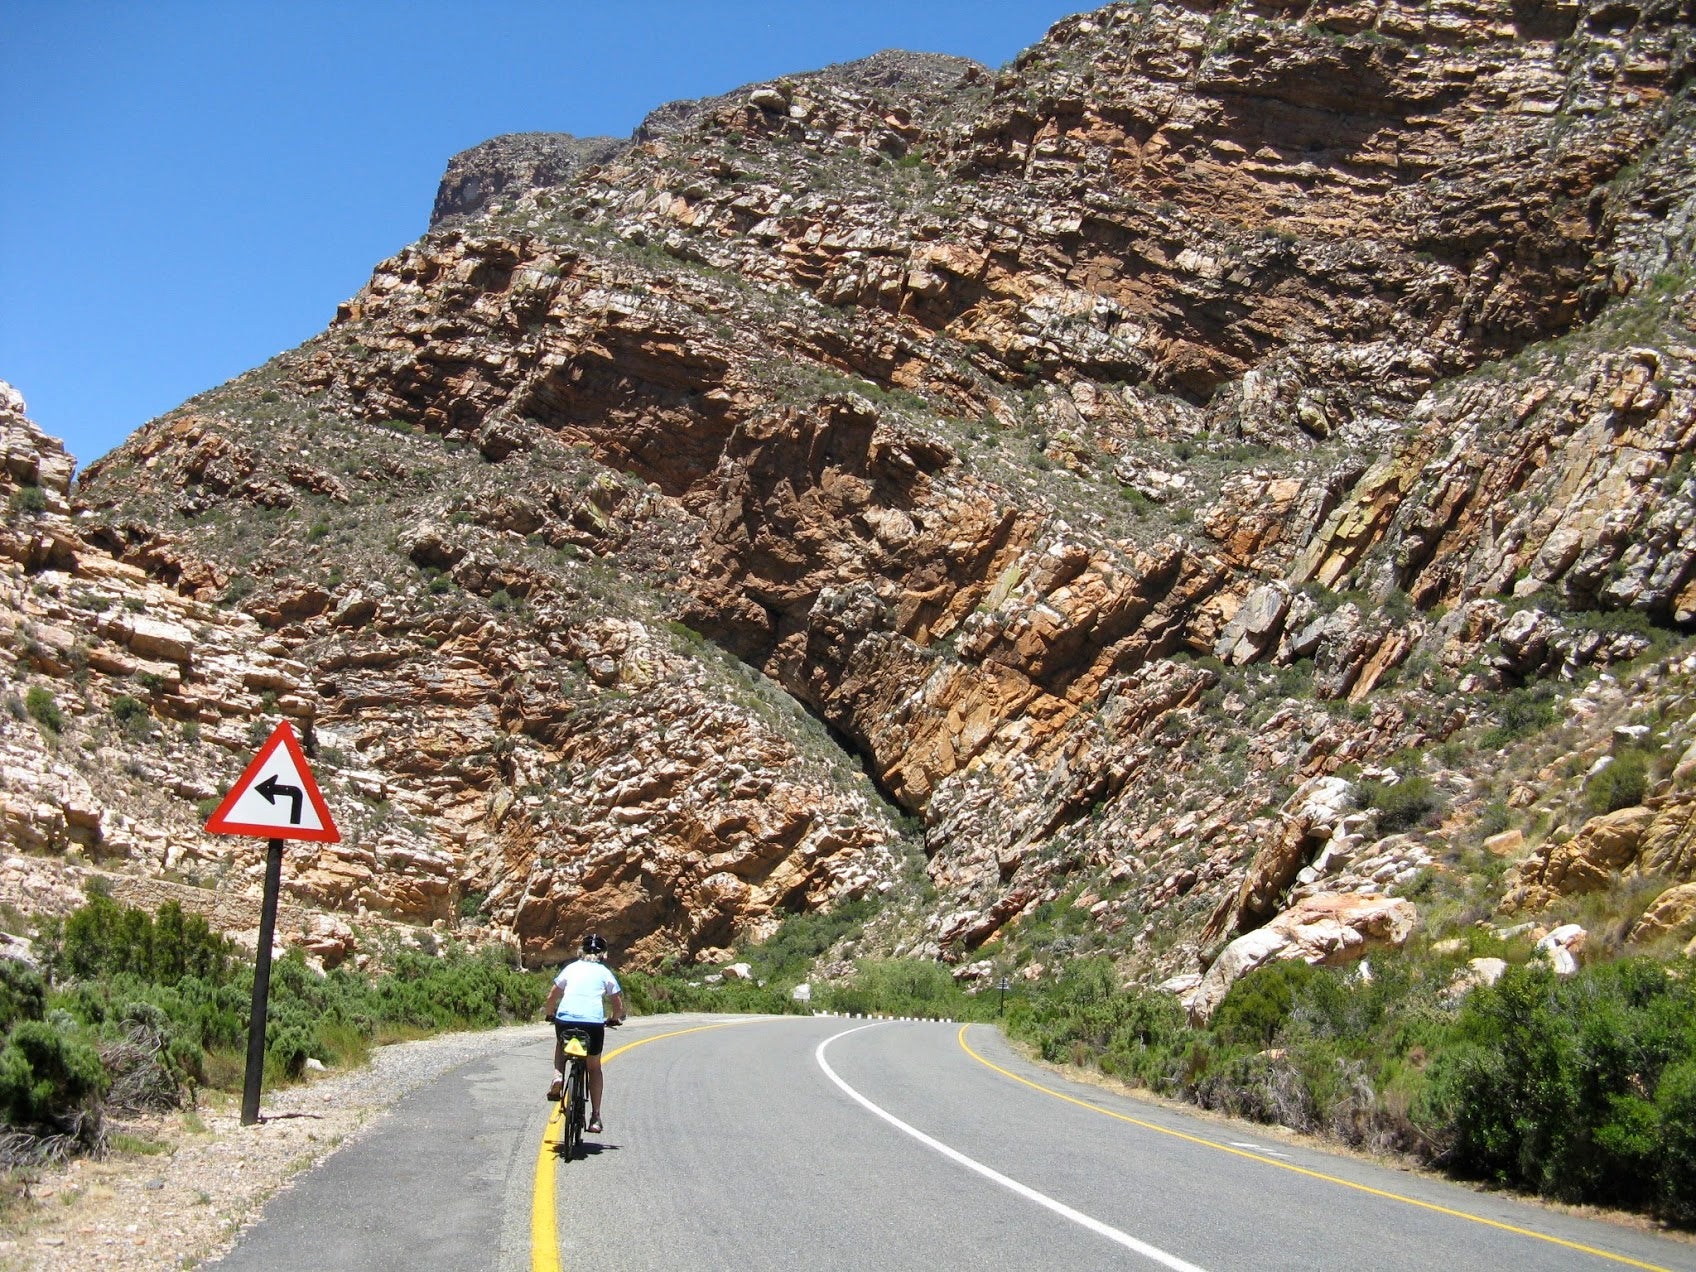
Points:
x=582 y=986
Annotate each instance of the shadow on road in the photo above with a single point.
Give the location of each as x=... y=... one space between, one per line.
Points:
x=585 y=1150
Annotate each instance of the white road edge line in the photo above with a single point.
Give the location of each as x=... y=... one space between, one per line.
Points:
x=1030 y=1194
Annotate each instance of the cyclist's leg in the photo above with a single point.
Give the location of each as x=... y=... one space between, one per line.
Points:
x=594 y=1063
x=559 y=1062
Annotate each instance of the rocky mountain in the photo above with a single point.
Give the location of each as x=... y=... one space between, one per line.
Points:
x=1219 y=484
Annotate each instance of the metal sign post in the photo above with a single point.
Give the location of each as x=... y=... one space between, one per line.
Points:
x=275 y=799
x=261 y=985
x=1001 y=1006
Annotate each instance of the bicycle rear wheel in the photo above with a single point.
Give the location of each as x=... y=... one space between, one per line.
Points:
x=572 y=1103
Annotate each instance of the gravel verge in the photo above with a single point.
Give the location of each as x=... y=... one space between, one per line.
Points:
x=185 y=1206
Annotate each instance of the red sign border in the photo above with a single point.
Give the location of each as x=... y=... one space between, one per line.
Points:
x=283 y=735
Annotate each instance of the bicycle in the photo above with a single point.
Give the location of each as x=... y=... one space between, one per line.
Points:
x=574 y=1095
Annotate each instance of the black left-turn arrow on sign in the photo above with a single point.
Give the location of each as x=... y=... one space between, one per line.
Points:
x=271 y=788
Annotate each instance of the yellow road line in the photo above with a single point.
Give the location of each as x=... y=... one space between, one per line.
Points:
x=1302 y=1170
x=544 y=1229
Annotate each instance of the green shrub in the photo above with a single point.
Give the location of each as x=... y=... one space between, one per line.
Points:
x=1675 y=1105
x=899 y=987
x=1582 y=1089
x=671 y=992
x=1521 y=712
x=1257 y=1005
x=289 y=1036
x=471 y=903
x=1494 y=819
x=1622 y=784
x=47 y=1080
x=1309 y=1088
x=1086 y=1017
x=43 y=710
x=23 y=994
x=103 y=939
x=1577 y=1089
x=1402 y=805
x=132 y=715
x=788 y=953
x=30 y=499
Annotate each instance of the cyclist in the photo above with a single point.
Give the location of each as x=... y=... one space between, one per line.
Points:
x=575 y=1003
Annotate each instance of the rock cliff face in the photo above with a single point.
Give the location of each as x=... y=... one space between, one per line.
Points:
x=1076 y=463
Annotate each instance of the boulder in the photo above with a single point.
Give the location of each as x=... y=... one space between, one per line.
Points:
x=1330 y=929
x=1310 y=819
x=1584 y=863
x=1672 y=914
x=1684 y=772
x=1508 y=843
x=1256 y=625
x=155 y=638
x=1562 y=946
x=18 y=948
x=1669 y=844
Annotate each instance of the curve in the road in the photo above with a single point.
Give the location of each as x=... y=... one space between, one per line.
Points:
x=1030 y=1194
x=1267 y=1161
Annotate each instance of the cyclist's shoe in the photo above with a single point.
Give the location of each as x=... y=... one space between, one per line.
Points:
x=555 y=1090
x=594 y=1127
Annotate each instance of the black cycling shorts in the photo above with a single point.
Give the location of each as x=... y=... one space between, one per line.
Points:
x=595 y=1033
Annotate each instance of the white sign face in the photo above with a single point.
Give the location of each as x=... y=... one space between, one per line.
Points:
x=276 y=797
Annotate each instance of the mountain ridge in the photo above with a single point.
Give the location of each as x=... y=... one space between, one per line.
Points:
x=1123 y=469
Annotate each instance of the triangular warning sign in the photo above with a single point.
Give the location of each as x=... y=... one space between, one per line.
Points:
x=276 y=797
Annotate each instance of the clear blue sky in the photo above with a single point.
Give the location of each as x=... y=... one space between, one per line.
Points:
x=191 y=187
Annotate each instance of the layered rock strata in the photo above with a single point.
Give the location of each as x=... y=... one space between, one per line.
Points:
x=1214 y=399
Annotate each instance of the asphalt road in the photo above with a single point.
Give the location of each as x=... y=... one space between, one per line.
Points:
x=825 y=1143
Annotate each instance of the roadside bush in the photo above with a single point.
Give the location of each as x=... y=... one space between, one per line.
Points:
x=102 y=938
x=1576 y=1089
x=672 y=991
x=1581 y=1089
x=148 y=1064
x=23 y=994
x=289 y=1037
x=1310 y=1088
x=1675 y=1107
x=1256 y=1007
x=1084 y=1016
x=116 y=970
x=787 y=955
x=49 y=1081
x=900 y=987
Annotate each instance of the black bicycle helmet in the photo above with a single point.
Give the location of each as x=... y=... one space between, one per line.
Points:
x=593 y=944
